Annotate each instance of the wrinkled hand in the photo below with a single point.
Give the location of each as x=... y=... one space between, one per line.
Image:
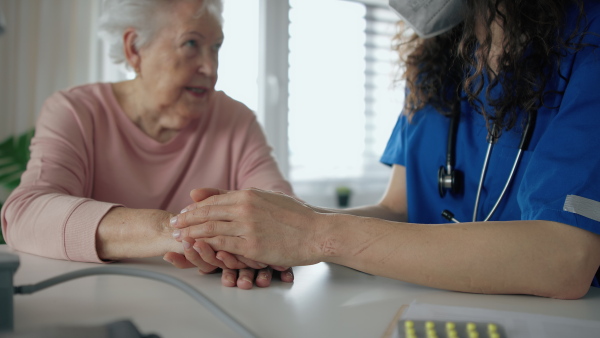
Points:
x=207 y=260
x=211 y=261
x=263 y=226
x=198 y=254
x=237 y=270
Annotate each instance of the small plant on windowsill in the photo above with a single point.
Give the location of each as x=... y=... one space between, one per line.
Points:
x=14 y=155
x=343 y=194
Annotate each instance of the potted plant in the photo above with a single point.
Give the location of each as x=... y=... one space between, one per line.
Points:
x=343 y=194
x=14 y=155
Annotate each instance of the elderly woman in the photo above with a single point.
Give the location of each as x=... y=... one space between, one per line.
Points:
x=111 y=163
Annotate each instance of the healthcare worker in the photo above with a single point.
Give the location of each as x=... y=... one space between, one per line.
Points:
x=495 y=186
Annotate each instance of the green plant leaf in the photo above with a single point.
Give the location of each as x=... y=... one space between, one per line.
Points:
x=11 y=185
x=8 y=177
x=14 y=155
x=6 y=144
x=7 y=164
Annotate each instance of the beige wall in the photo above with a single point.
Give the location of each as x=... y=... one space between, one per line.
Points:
x=47 y=45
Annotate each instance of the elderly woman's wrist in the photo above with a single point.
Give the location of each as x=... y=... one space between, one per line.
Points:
x=165 y=234
x=163 y=224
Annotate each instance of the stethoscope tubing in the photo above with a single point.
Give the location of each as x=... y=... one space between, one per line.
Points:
x=492 y=138
x=486 y=161
x=510 y=177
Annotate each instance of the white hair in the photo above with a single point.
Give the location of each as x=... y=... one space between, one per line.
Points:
x=118 y=15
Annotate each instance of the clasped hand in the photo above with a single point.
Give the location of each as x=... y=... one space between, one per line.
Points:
x=204 y=229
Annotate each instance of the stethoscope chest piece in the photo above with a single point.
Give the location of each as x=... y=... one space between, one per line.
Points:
x=448 y=180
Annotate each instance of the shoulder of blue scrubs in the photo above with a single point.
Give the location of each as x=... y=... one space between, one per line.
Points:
x=561 y=181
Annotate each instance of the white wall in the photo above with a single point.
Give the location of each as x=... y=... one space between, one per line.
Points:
x=47 y=46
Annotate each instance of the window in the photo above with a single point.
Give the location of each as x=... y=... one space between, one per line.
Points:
x=341 y=106
x=322 y=89
x=318 y=73
x=238 y=58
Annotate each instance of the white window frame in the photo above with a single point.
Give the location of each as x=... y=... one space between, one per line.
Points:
x=273 y=77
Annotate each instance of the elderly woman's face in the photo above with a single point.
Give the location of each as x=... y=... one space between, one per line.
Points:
x=179 y=66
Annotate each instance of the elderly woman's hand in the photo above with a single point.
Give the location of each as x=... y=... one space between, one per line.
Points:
x=235 y=271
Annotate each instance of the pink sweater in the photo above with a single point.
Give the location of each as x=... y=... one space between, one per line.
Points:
x=87 y=157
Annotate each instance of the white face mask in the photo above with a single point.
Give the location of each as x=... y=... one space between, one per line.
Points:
x=429 y=18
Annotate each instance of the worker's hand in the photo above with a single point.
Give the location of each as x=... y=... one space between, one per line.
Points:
x=263 y=226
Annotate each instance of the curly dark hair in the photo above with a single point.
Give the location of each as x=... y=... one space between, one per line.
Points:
x=439 y=68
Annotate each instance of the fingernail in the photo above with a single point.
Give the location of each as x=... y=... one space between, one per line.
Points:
x=168 y=260
x=173 y=221
x=186 y=245
x=230 y=279
x=176 y=234
x=246 y=279
x=262 y=266
x=289 y=274
x=219 y=258
x=262 y=276
x=198 y=250
x=184 y=210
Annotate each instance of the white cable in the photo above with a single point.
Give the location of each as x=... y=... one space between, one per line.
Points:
x=197 y=295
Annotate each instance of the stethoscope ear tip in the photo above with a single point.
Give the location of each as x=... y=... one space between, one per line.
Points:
x=447 y=214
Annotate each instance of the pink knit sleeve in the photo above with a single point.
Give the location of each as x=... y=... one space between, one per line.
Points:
x=50 y=214
x=257 y=167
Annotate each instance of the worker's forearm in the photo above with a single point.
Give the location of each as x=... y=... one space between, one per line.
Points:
x=375 y=211
x=130 y=233
x=532 y=257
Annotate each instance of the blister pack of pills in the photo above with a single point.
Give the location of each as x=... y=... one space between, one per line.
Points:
x=448 y=329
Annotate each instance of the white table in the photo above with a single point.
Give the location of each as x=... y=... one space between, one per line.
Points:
x=326 y=300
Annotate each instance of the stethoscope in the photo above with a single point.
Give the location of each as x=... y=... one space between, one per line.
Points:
x=450 y=179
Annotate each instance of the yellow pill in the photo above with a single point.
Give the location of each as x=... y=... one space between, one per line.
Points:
x=473 y=334
x=409 y=330
x=471 y=327
x=432 y=334
x=450 y=326
x=409 y=324
x=429 y=324
x=494 y=335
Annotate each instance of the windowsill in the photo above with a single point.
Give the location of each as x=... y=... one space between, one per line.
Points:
x=322 y=192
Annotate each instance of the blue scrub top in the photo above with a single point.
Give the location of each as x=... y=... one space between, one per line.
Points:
x=563 y=157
